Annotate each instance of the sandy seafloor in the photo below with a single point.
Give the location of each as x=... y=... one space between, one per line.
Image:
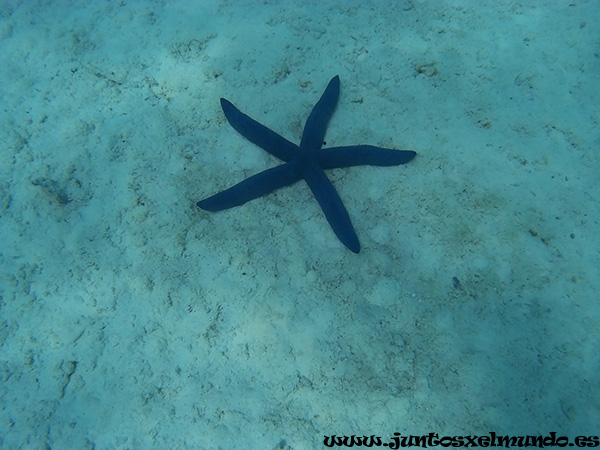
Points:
x=131 y=319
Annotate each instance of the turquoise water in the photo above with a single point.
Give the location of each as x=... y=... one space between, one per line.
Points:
x=129 y=318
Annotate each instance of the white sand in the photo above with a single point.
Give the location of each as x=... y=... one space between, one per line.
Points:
x=129 y=318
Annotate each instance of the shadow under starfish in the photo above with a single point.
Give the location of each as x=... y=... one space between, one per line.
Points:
x=306 y=162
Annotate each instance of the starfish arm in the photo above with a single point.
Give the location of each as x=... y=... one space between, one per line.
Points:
x=316 y=124
x=256 y=186
x=258 y=134
x=332 y=206
x=361 y=155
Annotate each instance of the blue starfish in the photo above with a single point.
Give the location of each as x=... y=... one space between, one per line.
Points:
x=306 y=161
